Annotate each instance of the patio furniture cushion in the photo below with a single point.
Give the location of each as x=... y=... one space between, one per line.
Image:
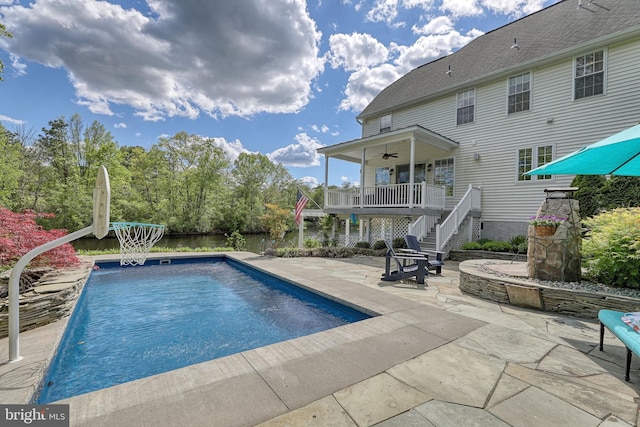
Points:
x=612 y=320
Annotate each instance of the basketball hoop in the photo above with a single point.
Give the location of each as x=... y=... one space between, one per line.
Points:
x=136 y=240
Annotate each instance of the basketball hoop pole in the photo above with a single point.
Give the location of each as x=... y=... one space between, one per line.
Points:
x=99 y=227
x=14 y=288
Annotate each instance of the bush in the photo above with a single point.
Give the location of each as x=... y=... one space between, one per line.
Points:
x=483 y=240
x=518 y=242
x=236 y=241
x=379 y=244
x=612 y=248
x=471 y=246
x=363 y=245
x=399 y=242
x=310 y=242
x=497 y=246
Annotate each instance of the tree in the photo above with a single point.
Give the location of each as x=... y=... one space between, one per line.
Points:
x=3 y=33
x=276 y=221
x=19 y=233
x=10 y=167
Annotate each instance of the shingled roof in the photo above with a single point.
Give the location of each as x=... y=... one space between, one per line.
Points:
x=544 y=36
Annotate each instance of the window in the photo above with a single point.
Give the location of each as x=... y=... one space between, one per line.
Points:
x=466 y=103
x=443 y=174
x=385 y=123
x=419 y=173
x=589 y=75
x=527 y=161
x=382 y=176
x=519 y=93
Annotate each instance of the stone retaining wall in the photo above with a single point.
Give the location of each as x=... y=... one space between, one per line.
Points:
x=464 y=255
x=52 y=298
x=570 y=302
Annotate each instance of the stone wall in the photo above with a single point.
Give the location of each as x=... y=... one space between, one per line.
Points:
x=474 y=281
x=52 y=298
x=463 y=255
x=557 y=257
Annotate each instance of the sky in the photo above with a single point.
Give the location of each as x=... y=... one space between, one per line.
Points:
x=278 y=77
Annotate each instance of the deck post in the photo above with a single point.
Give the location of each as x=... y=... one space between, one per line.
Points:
x=412 y=172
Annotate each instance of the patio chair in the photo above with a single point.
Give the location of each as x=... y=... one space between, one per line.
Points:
x=408 y=265
x=413 y=245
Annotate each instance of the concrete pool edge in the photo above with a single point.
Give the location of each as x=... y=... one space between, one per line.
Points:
x=284 y=376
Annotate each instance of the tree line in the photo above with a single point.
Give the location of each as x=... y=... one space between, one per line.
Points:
x=186 y=182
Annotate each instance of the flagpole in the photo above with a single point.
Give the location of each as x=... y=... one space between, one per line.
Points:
x=307 y=196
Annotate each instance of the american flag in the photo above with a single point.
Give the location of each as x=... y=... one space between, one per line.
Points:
x=301 y=202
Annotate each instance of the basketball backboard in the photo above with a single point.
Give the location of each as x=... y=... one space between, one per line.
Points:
x=101 y=203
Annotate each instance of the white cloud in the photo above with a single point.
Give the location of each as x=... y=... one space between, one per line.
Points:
x=438 y=25
x=188 y=58
x=320 y=129
x=19 y=67
x=515 y=8
x=231 y=148
x=355 y=51
x=301 y=154
x=310 y=181
x=120 y=125
x=461 y=7
x=365 y=84
x=11 y=120
x=383 y=11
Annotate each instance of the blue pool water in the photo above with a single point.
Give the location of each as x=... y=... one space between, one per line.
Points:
x=135 y=322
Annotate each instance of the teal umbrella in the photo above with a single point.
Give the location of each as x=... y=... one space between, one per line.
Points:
x=618 y=154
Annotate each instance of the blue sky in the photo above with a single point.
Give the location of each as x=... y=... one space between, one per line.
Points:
x=279 y=77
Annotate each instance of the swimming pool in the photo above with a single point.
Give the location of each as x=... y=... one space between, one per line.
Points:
x=136 y=322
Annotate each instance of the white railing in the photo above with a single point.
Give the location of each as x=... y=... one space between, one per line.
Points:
x=423 y=225
x=420 y=195
x=447 y=228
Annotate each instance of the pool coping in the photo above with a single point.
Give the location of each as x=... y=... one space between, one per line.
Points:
x=254 y=386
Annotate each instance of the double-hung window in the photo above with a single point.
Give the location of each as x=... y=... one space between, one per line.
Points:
x=519 y=97
x=444 y=174
x=532 y=157
x=466 y=106
x=589 y=74
x=385 y=123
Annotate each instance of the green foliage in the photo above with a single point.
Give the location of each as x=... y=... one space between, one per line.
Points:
x=236 y=241
x=3 y=33
x=612 y=248
x=471 y=246
x=310 y=242
x=497 y=246
x=379 y=245
x=483 y=240
x=276 y=221
x=519 y=244
x=364 y=245
x=399 y=242
x=597 y=194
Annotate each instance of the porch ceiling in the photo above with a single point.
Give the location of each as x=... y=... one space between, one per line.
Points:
x=351 y=151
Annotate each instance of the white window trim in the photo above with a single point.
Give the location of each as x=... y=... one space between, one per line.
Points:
x=534 y=163
x=433 y=173
x=475 y=105
x=605 y=67
x=506 y=107
x=386 y=128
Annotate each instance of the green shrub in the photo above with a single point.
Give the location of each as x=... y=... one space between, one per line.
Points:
x=523 y=248
x=483 y=240
x=518 y=242
x=497 y=246
x=310 y=242
x=471 y=246
x=399 y=242
x=612 y=248
x=364 y=245
x=379 y=244
x=236 y=241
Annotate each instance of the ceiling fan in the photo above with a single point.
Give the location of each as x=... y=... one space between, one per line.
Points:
x=388 y=155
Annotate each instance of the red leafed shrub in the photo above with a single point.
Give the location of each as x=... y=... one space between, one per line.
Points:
x=19 y=233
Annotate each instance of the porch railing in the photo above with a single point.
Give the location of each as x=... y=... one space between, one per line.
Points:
x=420 y=195
x=447 y=228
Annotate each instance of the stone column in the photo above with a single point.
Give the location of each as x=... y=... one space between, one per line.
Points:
x=556 y=258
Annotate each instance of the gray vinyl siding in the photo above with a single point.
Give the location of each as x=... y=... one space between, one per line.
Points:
x=497 y=136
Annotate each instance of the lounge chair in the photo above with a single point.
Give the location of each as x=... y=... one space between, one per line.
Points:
x=408 y=265
x=413 y=246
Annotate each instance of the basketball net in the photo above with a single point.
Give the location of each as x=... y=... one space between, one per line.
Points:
x=136 y=240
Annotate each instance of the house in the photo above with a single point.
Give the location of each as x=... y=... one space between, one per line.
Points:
x=444 y=148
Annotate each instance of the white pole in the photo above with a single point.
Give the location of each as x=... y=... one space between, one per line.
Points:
x=301 y=231
x=14 y=288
